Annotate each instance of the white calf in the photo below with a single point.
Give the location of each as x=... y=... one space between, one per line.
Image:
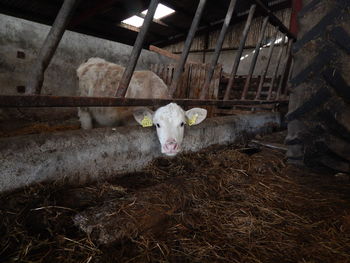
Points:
x=100 y=78
x=170 y=122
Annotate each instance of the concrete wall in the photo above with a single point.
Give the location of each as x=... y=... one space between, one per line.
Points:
x=18 y=35
x=83 y=156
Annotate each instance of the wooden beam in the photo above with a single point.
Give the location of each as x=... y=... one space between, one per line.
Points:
x=129 y=27
x=169 y=54
x=157 y=21
x=164 y=52
x=275 y=21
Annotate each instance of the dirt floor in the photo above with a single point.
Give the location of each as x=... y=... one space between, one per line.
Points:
x=223 y=204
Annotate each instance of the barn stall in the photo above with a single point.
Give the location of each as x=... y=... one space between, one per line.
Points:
x=237 y=193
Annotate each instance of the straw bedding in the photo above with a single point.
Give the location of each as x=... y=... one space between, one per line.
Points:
x=217 y=205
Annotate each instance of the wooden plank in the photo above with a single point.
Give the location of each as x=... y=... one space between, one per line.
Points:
x=164 y=52
x=169 y=54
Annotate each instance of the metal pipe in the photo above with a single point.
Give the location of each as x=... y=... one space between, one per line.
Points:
x=15 y=101
x=187 y=46
x=217 y=51
x=290 y=74
x=239 y=52
x=285 y=71
x=254 y=59
x=269 y=56
x=36 y=74
x=274 y=76
x=136 y=51
x=274 y=19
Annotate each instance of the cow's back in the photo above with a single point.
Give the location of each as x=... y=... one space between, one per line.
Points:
x=146 y=84
x=99 y=78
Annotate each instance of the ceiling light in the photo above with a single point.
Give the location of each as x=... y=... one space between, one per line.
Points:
x=161 y=11
x=135 y=21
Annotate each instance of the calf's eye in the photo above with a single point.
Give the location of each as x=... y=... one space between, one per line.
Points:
x=158 y=126
x=182 y=124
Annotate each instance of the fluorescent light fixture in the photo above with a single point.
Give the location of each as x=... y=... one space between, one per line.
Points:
x=161 y=11
x=135 y=21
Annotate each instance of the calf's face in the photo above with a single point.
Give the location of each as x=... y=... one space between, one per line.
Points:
x=170 y=121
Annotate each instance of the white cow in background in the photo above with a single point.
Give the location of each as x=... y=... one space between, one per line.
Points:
x=99 y=78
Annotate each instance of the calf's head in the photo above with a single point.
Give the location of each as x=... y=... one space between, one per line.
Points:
x=170 y=121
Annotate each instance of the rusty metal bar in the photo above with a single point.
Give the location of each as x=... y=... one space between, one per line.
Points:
x=8 y=101
x=239 y=52
x=273 y=19
x=285 y=71
x=36 y=75
x=274 y=76
x=290 y=74
x=136 y=51
x=269 y=56
x=217 y=51
x=254 y=59
x=187 y=46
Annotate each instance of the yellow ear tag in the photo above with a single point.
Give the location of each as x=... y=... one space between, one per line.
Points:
x=192 y=121
x=146 y=122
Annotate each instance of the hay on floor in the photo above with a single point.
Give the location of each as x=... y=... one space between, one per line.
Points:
x=228 y=207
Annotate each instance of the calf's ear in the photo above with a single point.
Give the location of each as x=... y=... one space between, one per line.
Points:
x=143 y=116
x=195 y=116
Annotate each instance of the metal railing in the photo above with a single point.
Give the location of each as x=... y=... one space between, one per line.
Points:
x=277 y=88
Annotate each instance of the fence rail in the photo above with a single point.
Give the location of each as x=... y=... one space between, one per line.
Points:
x=186 y=82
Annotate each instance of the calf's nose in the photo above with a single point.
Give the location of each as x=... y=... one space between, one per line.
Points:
x=171 y=141
x=171 y=144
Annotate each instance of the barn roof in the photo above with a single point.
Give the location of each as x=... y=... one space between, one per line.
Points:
x=103 y=18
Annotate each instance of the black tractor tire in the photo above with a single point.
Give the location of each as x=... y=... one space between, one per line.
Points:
x=319 y=108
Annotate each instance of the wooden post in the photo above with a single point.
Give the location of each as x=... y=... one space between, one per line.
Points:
x=36 y=75
x=255 y=58
x=269 y=56
x=187 y=46
x=239 y=52
x=136 y=51
x=217 y=51
x=272 y=84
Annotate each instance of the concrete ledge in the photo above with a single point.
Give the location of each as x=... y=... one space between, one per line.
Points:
x=84 y=156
